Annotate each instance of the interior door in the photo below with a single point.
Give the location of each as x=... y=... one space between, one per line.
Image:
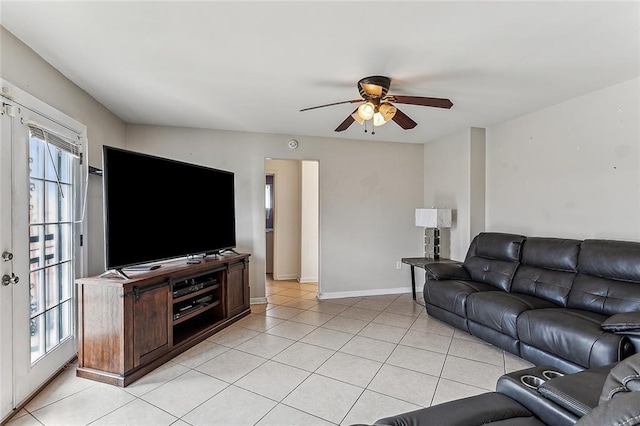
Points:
x=42 y=225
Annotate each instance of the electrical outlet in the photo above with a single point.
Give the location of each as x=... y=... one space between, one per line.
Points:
x=398 y=265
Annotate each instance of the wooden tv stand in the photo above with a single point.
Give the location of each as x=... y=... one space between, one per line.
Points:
x=128 y=327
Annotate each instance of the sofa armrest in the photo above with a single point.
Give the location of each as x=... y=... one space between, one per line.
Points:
x=489 y=407
x=624 y=323
x=624 y=377
x=446 y=271
x=624 y=410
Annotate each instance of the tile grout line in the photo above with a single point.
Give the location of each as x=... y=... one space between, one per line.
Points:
x=382 y=364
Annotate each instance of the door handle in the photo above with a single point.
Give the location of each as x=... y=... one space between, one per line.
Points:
x=7 y=256
x=10 y=279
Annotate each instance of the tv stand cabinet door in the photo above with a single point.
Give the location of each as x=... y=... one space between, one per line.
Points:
x=237 y=288
x=151 y=324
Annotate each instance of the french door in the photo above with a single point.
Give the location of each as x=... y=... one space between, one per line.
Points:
x=41 y=224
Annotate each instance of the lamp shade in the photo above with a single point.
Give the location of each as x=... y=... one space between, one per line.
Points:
x=433 y=218
x=387 y=110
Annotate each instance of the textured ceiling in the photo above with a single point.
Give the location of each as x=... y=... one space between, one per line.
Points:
x=251 y=66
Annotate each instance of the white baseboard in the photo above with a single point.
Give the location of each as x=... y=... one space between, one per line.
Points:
x=285 y=277
x=362 y=293
x=308 y=280
x=258 y=300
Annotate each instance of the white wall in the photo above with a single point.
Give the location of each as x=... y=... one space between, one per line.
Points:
x=287 y=219
x=570 y=170
x=447 y=185
x=22 y=67
x=309 y=216
x=477 y=181
x=368 y=193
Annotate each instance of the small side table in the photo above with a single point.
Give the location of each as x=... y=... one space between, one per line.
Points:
x=420 y=262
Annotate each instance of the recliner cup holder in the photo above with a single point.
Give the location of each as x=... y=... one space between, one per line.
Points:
x=551 y=374
x=530 y=381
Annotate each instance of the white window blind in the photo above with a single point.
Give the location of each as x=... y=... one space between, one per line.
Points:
x=59 y=142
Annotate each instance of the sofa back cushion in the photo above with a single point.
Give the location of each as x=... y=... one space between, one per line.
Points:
x=608 y=280
x=493 y=258
x=547 y=269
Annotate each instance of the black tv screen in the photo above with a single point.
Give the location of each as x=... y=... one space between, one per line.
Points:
x=158 y=209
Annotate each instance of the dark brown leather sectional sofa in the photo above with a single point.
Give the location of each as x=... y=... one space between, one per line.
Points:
x=571 y=304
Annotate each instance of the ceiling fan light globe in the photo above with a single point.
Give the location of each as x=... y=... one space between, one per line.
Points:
x=366 y=111
x=378 y=119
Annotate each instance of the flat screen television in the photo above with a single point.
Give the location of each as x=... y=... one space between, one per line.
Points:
x=157 y=209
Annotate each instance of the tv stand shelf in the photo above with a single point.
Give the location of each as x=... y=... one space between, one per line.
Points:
x=128 y=327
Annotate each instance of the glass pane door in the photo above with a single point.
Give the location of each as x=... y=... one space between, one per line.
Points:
x=51 y=236
x=46 y=225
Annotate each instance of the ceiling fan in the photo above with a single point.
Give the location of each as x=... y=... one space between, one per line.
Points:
x=377 y=105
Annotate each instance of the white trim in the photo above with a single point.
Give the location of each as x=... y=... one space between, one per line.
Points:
x=274 y=222
x=26 y=100
x=285 y=277
x=362 y=293
x=308 y=280
x=258 y=300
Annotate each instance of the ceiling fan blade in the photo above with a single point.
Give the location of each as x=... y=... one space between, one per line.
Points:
x=421 y=100
x=335 y=103
x=347 y=122
x=403 y=120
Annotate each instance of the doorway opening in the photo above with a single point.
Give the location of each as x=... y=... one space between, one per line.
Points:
x=292 y=228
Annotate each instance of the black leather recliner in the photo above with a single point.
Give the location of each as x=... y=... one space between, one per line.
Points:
x=603 y=396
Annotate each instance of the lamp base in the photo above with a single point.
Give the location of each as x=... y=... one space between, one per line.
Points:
x=432 y=243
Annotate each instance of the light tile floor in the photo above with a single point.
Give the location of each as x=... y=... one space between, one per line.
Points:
x=294 y=361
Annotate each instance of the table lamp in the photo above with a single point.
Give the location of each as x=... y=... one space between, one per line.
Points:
x=433 y=220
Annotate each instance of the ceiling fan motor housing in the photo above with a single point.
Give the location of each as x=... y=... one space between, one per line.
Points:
x=374 y=87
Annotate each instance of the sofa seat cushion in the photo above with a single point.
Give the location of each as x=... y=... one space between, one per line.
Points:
x=451 y=295
x=499 y=310
x=572 y=334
